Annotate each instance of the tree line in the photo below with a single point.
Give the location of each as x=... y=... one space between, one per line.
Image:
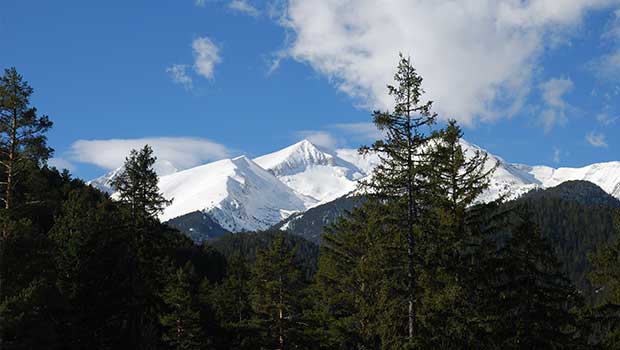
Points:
x=419 y=265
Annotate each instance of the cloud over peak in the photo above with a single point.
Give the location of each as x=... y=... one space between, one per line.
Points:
x=173 y=153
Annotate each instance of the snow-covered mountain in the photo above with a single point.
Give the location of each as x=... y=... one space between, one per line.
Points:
x=104 y=182
x=236 y=193
x=243 y=194
x=605 y=175
x=312 y=171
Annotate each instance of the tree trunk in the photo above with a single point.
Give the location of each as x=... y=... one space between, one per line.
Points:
x=8 y=204
x=280 y=318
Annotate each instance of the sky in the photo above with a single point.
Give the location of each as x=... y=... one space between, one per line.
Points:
x=535 y=82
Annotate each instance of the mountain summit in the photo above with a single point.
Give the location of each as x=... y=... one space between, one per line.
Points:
x=312 y=171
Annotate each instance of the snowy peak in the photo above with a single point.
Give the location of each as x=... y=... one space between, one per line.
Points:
x=295 y=159
x=237 y=193
x=312 y=171
x=104 y=183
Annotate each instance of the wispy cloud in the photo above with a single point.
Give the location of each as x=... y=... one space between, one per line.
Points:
x=596 y=139
x=173 y=153
x=206 y=56
x=366 y=132
x=178 y=74
x=557 y=155
x=605 y=119
x=200 y=3
x=607 y=66
x=553 y=92
x=342 y=134
x=320 y=138
x=244 y=7
x=612 y=31
x=61 y=163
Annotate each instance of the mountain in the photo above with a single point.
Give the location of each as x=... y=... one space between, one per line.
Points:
x=604 y=175
x=198 y=226
x=312 y=171
x=240 y=194
x=577 y=217
x=310 y=224
x=104 y=182
x=236 y=193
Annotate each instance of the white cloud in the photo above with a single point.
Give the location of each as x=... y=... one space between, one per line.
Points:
x=606 y=66
x=173 y=153
x=320 y=138
x=342 y=134
x=553 y=92
x=612 y=31
x=178 y=74
x=596 y=140
x=206 y=56
x=606 y=119
x=477 y=56
x=61 y=163
x=243 y=6
x=366 y=132
x=557 y=154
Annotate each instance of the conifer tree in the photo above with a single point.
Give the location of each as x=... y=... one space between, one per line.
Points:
x=137 y=187
x=22 y=142
x=527 y=302
x=354 y=266
x=276 y=286
x=456 y=181
x=89 y=253
x=402 y=174
x=181 y=320
x=231 y=304
x=22 y=132
x=605 y=276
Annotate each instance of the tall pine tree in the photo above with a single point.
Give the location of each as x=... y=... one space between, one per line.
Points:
x=22 y=145
x=137 y=188
x=402 y=175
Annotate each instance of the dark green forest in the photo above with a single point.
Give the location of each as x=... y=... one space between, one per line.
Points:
x=417 y=264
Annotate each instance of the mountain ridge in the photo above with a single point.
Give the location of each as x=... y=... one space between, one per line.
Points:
x=243 y=194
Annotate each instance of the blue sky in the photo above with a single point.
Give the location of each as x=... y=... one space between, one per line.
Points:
x=534 y=82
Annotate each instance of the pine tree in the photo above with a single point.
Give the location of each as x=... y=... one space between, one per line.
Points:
x=22 y=132
x=181 y=321
x=137 y=187
x=231 y=304
x=276 y=286
x=526 y=302
x=605 y=276
x=354 y=268
x=89 y=254
x=456 y=181
x=22 y=143
x=402 y=175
